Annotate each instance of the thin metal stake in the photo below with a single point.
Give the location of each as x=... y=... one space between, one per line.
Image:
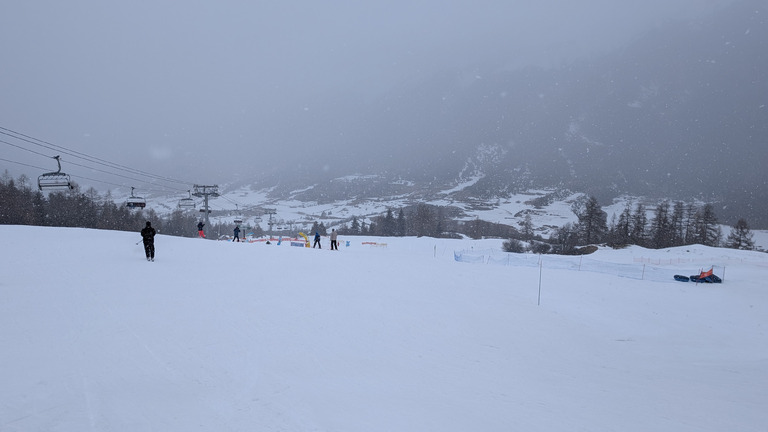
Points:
x=540 y=266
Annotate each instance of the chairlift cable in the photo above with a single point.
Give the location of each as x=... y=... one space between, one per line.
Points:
x=81 y=155
x=77 y=176
x=73 y=154
x=86 y=157
x=119 y=175
x=24 y=148
x=22 y=163
x=232 y=201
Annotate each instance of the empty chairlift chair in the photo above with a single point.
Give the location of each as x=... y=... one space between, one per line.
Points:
x=135 y=201
x=187 y=203
x=54 y=180
x=238 y=216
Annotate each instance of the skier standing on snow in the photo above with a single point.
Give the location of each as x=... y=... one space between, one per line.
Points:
x=148 y=237
x=200 y=232
x=317 y=240
x=237 y=233
x=334 y=244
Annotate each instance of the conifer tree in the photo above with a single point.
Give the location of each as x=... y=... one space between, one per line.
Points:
x=527 y=227
x=387 y=225
x=689 y=235
x=610 y=237
x=592 y=221
x=315 y=228
x=622 y=230
x=354 y=229
x=661 y=232
x=639 y=223
x=708 y=231
x=740 y=237
x=439 y=223
x=422 y=220
x=566 y=237
x=401 y=224
x=677 y=224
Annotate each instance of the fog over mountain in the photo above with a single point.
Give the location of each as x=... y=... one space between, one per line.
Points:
x=660 y=98
x=680 y=113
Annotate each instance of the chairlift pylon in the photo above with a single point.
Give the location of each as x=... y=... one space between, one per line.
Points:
x=187 y=203
x=135 y=201
x=54 y=180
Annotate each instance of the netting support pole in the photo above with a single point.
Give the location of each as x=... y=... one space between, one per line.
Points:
x=538 y=303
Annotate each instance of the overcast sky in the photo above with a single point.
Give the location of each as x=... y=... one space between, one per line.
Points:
x=202 y=91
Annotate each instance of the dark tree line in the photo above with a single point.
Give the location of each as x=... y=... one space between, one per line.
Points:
x=20 y=204
x=424 y=220
x=417 y=223
x=671 y=225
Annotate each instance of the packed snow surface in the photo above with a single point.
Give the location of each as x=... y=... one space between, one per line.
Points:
x=387 y=334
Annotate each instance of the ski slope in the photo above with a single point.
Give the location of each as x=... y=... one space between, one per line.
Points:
x=220 y=336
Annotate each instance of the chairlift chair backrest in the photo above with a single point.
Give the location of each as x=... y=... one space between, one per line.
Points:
x=188 y=203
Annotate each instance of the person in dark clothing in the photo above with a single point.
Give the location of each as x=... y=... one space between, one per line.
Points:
x=317 y=240
x=200 y=232
x=148 y=237
x=237 y=233
x=334 y=243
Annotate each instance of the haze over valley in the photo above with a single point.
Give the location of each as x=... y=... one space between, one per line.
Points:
x=672 y=106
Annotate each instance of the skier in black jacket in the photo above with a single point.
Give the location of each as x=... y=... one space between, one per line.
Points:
x=148 y=236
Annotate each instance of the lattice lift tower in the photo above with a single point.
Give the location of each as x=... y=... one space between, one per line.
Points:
x=205 y=192
x=270 y=212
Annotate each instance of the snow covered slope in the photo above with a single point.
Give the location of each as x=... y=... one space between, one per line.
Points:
x=397 y=337
x=548 y=208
